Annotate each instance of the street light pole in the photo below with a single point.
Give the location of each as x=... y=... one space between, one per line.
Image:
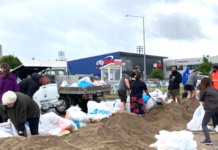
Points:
x=143 y=43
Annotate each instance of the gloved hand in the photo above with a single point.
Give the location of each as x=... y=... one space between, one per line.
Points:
x=21 y=133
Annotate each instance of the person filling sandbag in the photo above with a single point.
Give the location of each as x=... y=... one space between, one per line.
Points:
x=20 y=108
x=136 y=102
x=209 y=97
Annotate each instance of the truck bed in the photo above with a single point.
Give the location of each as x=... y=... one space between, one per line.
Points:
x=81 y=90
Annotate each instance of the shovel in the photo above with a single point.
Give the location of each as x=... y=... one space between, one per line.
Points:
x=158 y=103
x=191 y=100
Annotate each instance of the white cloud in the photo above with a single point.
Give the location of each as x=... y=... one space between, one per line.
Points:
x=84 y=28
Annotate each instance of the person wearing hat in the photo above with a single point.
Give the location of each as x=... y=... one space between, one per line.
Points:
x=20 y=108
x=135 y=70
x=30 y=85
x=215 y=76
x=191 y=84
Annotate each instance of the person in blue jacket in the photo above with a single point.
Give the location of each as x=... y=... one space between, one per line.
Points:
x=185 y=75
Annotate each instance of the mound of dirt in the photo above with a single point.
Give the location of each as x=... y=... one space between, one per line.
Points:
x=122 y=131
x=126 y=131
x=35 y=143
x=172 y=117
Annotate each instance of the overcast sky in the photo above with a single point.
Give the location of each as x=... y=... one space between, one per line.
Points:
x=83 y=28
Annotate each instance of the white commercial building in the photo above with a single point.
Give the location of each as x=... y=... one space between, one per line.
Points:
x=50 y=63
x=183 y=63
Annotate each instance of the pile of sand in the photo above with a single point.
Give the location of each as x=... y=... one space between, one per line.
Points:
x=35 y=143
x=124 y=131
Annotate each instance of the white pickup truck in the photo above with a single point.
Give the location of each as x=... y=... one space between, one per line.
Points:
x=60 y=98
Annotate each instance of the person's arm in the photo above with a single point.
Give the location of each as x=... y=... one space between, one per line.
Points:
x=195 y=81
x=146 y=90
x=127 y=83
x=22 y=117
x=178 y=78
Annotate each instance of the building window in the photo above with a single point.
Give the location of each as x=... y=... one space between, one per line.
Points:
x=193 y=67
x=169 y=68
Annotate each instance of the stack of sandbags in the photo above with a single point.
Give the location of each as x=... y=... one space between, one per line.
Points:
x=76 y=115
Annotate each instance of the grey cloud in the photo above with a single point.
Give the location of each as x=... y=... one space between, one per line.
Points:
x=176 y=26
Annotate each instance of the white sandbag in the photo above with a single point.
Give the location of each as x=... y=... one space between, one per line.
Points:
x=127 y=108
x=87 y=79
x=97 y=110
x=196 y=123
x=74 y=85
x=216 y=129
x=76 y=114
x=7 y=130
x=166 y=100
x=150 y=103
x=52 y=124
x=198 y=94
x=64 y=83
x=128 y=99
x=177 y=140
x=4 y=134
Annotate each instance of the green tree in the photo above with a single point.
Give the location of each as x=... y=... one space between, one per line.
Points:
x=157 y=74
x=11 y=60
x=205 y=66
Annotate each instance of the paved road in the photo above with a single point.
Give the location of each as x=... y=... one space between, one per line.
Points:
x=199 y=137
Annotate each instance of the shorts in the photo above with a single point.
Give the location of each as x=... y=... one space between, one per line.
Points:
x=122 y=95
x=189 y=87
x=174 y=92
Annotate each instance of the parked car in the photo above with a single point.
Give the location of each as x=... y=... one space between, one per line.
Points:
x=201 y=77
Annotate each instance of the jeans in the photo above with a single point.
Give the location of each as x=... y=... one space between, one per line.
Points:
x=34 y=125
x=206 y=120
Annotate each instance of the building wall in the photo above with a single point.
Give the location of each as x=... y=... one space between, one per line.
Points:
x=183 y=63
x=131 y=60
x=53 y=64
x=88 y=65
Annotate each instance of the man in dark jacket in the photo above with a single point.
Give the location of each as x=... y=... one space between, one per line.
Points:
x=174 y=84
x=30 y=85
x=20 y=108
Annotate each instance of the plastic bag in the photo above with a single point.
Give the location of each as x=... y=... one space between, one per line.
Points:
x=84 y=84
x=98 y=110
x=127 y=108
x=198 y=94
x=86 y=79
x=145 y=97
x=74 y=85
x=177 y=140
x=7 y=130
x=196 y=123
x=150 y=103
x=52 y=124
x=113 y=106
x=64 y=83
x=76 y=114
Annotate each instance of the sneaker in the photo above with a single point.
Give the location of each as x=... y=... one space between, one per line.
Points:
x=207 y=142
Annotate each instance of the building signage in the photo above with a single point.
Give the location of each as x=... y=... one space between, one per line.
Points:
x=108 y=60
x=188 y=61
